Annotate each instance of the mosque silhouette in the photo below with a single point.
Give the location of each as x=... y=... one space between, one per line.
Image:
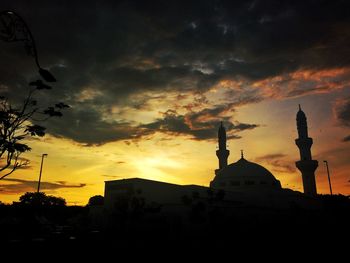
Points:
x=239 y=183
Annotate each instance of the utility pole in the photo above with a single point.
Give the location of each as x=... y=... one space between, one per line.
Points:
x=329 y=179
x=41 y=169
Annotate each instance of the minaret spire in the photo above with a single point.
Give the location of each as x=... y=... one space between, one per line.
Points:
x=306 y=165
x=222 y=153
x=242 y=155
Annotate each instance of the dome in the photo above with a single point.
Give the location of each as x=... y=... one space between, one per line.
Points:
x=244 y=173
x=245 y=168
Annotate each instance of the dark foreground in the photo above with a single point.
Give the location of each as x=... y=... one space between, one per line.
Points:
x=250 y=232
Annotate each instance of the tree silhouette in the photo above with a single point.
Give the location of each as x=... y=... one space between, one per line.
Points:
x=41 y=199
x=96 y=200
x=18 y=123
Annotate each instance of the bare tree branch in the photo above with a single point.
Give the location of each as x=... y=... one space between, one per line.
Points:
x=18 y=124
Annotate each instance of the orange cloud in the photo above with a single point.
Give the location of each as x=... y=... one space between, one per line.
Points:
x=304 y=81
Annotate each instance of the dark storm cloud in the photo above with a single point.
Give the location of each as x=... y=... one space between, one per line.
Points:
x=88 y=127
x=201 y=125
x=21 y=186
x=256 y=39
x=122 y=48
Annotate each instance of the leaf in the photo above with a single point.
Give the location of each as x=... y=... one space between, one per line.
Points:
x=47 y=75
x=21 y=147
x=36 y=130
x=61 y=105
x=39 y=84
x=52 y=112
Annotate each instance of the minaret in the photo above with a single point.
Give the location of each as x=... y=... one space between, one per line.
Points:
x=306 y=165
x=222 y=153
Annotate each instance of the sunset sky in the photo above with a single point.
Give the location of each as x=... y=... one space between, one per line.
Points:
x=148 y=84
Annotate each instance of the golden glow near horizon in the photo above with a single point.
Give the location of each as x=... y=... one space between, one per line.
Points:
x=77 y=172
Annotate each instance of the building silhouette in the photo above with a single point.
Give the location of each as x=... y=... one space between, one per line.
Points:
x=306 y=165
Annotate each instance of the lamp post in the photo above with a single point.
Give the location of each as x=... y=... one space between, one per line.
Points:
x=13 y=29
x=41 y=169
x=329 y=179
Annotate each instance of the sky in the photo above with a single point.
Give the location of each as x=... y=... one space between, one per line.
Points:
x=148 y=83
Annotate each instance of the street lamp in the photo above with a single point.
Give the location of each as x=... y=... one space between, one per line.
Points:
x=329 y=179
x=41 y=169
x=13 y=29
